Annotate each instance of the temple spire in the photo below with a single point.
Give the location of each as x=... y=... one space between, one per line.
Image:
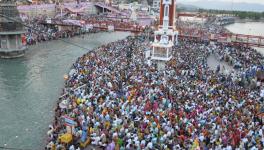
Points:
x=9 y=16
x=11 y=30
x=166 y=35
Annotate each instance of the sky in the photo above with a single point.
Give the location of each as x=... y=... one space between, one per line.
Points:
x=247 y=1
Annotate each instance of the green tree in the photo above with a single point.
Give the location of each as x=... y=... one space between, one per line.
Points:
x=242 y=15
x=257 y=16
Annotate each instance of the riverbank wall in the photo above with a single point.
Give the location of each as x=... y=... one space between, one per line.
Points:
x=238 y=20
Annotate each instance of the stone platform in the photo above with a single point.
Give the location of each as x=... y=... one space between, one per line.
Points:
x=13 y=54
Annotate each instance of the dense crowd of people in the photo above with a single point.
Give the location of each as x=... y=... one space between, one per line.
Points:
x=38 y=31
x=245 y=60
x=118 y=100
x=200 y=28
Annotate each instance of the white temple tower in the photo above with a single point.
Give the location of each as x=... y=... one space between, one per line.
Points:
x=166 y=35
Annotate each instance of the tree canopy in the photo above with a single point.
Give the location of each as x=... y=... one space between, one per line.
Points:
x=240 y=14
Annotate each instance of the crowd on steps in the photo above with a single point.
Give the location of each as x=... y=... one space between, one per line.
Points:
x=115 y=99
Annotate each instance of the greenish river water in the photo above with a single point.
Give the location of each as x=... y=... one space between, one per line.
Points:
x=30 y=87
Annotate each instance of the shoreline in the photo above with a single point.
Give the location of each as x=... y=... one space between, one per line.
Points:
x=238 y=20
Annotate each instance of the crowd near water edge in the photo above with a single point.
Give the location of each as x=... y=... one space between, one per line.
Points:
x=114 y=101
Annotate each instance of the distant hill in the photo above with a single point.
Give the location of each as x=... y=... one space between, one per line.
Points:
x=187 y=7
x=221 y=5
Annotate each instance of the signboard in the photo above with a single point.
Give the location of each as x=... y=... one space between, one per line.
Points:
x=48 y=20
x=147 y=53
x=111 y=28
x=69 y=121
x=88 y=27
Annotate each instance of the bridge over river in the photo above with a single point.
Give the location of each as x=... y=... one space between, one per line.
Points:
x=233 y=38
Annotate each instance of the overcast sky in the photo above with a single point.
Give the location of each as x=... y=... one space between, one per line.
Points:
x=248 y=1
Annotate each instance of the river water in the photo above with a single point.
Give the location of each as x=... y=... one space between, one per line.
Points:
x=249 y=28
x=30 y=86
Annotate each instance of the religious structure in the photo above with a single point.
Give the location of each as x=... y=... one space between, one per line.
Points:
x=166 y=35
x=11 y=31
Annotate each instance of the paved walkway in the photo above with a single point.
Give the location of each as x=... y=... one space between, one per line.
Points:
x=225 y=67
